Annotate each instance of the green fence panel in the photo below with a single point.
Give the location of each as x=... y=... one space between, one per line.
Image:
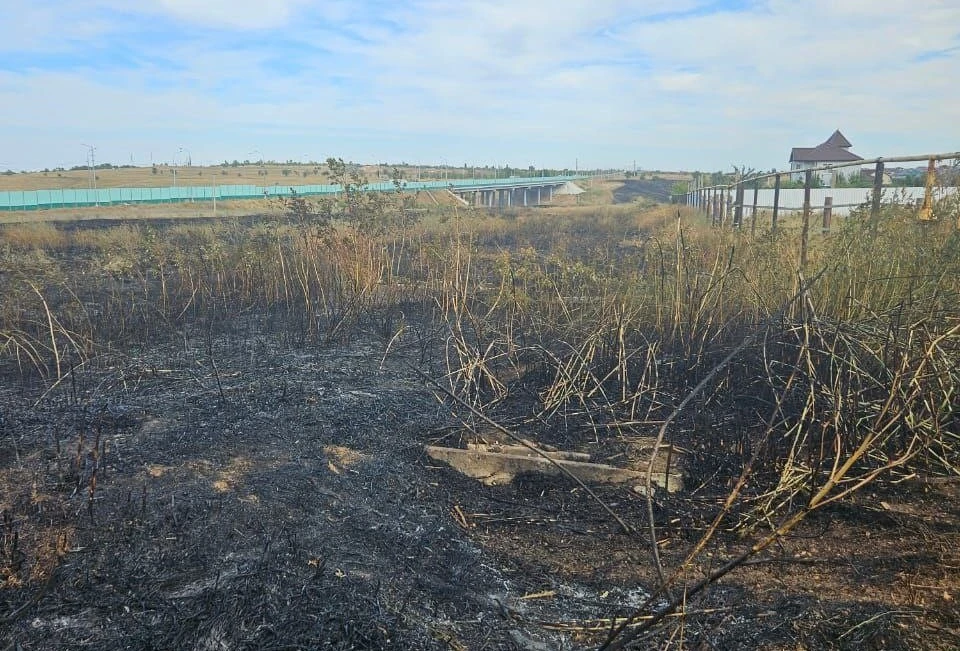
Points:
x=47 y=198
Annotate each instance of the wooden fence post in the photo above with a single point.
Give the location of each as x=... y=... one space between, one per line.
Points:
x=805 y=232
x=926 y=210
x=753 y=213
x=723 y=207
x=738 y=207
x=827 y=214
x=776 y=202
x=877 y=192
x=728 y=206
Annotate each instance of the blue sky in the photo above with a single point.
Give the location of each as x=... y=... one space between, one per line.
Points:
x=668 y=84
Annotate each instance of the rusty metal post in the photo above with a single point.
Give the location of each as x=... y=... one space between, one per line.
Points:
x=805 y=232
x=738 y=207
x=926 y=210
x=827 y=214
x=776 y=202
x=753 y=213
x=877 y=192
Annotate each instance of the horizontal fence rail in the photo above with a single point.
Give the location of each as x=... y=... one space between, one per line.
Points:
x=78 y=198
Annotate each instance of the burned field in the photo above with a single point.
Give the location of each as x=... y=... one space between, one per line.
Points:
x=216 y=437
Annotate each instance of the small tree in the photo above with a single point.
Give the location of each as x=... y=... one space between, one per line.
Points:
x=371 y=213
x=306 y=215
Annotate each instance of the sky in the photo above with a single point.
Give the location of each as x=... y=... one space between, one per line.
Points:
x=656 y=84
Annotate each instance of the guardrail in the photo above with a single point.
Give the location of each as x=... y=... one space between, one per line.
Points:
x=80 y=198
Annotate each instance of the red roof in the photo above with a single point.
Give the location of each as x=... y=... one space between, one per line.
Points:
x=837 y=140
x=832 y=150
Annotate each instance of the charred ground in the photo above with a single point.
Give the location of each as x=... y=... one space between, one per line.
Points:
x=230 y=484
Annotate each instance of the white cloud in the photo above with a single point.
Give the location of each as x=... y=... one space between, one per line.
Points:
x=494 y=77
x=238 y=14
x=678 y=81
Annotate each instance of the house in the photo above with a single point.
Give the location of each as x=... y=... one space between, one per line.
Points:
x=833 y=150
x=870 y=175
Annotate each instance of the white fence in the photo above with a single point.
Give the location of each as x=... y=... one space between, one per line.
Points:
x=844 y=199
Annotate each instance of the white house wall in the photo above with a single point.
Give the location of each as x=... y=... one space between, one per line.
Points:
x=826 y=176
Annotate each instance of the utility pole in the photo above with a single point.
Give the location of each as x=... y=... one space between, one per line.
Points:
x=93 y=171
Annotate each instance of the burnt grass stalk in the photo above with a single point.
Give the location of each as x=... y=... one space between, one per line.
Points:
x=792 y=388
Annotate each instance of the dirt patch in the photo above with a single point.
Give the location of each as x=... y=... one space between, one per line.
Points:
x=633 y=189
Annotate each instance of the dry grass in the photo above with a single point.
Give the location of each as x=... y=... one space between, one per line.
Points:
x=421 y=201
x=195 y=175
x=143 y=177
x=36 y=235
x=183 y=210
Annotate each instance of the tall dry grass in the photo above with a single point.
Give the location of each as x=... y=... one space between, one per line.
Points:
x=610 y=313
